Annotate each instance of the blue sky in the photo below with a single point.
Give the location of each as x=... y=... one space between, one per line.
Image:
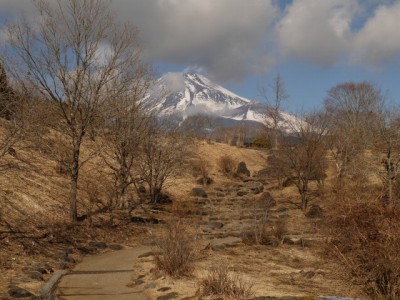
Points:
x=242 y=44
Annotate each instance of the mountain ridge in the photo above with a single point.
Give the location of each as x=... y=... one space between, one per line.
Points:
x=181 y=95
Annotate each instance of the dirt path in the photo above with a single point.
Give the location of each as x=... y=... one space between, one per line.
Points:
x=104 y=276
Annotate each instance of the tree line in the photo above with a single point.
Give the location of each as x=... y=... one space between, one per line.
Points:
x=80 y=73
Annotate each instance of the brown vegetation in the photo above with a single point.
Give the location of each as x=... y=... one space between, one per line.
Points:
x=222 y=284
x=177 y=250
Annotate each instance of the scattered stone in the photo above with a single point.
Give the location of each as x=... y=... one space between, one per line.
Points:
x=43 y=268
x=288 y=241
x=151 y=285
x=257 y=189
x=216 y=225
x=248 y=179
x=98 y=245
x=199 y=192
x=168 y=296
x=204 y=181
x=222 y=243
x=138 y=220
x=308 y=275
x=86 y=249
x=17 y=292
x=116 y=247
x=267 y=200
x=69 y=260
x=63 y=265
x=164 y=289
x=242 y=169
x=164 y=199
x=150 y=253
x=288 y=182
x=281 y=209
x=315 y=211
x=241 y=193
x=152 y=221
x=35 y=275
x=138 y=282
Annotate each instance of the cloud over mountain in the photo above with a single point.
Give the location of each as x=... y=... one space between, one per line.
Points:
x=231 y=39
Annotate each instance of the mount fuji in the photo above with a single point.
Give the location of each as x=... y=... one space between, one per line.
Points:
x=179 y=96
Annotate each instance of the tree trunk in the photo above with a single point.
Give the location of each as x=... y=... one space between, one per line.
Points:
x=74 y=181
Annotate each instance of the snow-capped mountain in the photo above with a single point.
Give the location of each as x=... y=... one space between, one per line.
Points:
x=181 y=95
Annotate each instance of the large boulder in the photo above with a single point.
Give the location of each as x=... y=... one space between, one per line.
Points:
x=242 y=169
x=314 y=211
x=199 y=192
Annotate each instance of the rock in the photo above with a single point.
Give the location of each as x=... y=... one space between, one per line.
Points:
x=17 y=292
x=138 y=220
x=152 y=221
x=242 y=169
x=257 y=189
x=168 y=296
x=241 y=193
x=288 y=241
x=142 y=189
x=199 y=192
x=138 y=282
x=204 y=181
x=63 y=265
x=164 y=289
x=267 y=200
x=116 y=247
x=98 y=245
x=43 y=268
x=86 y=249
x=222 y=243
x=164 y=199
x=216 y=225
x=69 y=260
x=151 y=285
x=150 y=253
x=288 y=182
x=35 y=275
x=282 y=209
x=314 y=211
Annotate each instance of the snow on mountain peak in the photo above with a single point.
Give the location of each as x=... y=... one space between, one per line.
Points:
x=180 y=95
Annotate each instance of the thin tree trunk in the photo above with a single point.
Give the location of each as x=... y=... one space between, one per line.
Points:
x=74 y=181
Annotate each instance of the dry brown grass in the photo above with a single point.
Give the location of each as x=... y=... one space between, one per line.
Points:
x=177 y=251
x=221 y=284
x=227 y=165
x=365 y=237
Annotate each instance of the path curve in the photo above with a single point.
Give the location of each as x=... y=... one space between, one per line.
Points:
x=103 y=276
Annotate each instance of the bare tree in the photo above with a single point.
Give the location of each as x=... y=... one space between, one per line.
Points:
x=387 y=150
x=274 y=105
x=127 y=122
x=303 y=152
x=163 y=155
x=354 y=111
x=11 y=122
x=71 y=54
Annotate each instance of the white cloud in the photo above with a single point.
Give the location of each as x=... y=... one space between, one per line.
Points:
x=230 y=39
x=225 y=37
x=378 y=42
x=317 y=31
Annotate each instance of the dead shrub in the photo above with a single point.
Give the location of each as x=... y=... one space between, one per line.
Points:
x=221 y=284
x=201 y=169
x=226 y=165
x=280 y=229
x=177 y=251
x=259 y=231
x=365 y=237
